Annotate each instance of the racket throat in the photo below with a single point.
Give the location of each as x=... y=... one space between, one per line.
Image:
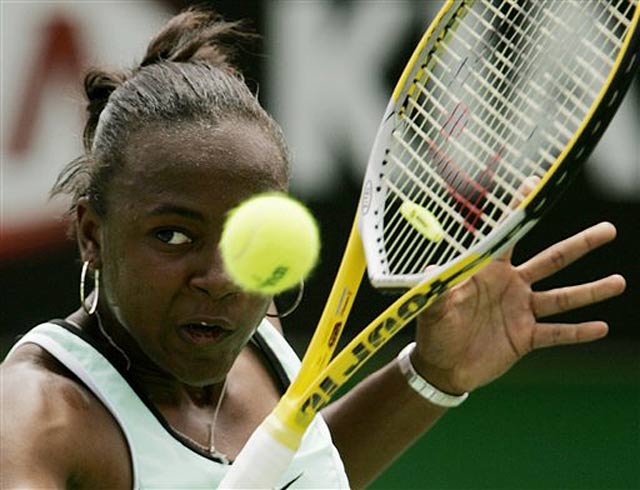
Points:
x=286 y=424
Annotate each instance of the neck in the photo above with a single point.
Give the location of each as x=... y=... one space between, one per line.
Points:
x=159 y=386
x=163 y=392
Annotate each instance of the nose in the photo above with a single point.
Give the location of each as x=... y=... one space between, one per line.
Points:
x=210 y=276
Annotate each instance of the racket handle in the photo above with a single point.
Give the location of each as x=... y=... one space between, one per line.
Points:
x=261 y=463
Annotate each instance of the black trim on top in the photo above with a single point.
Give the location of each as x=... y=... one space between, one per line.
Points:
x=625 y=72
x=272 y=361
x=291 y=482
x=267 y=353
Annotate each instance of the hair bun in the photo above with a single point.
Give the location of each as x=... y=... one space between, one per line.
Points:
x=198 y=34
x=98 y=87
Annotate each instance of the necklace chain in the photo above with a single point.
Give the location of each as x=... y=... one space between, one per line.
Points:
x=113 y=342
x=211 y=449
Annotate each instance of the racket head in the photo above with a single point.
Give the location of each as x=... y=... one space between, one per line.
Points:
x=518 y=214
x=493 y=95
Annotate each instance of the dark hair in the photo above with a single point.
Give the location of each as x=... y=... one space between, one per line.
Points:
x=187 y=75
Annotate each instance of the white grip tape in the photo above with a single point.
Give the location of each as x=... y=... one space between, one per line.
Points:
x=260 y=464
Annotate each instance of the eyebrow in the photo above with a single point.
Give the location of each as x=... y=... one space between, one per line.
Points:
x=167 y=208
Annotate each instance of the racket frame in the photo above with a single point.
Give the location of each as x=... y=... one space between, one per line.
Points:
x=328 y=377
x=320 y=376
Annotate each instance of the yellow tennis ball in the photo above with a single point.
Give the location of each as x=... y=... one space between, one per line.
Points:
x=269 y=243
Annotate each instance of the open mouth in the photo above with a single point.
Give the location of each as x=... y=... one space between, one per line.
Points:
x=200 y=333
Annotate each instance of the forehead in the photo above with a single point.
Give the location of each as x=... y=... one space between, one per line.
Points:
x=195 y=161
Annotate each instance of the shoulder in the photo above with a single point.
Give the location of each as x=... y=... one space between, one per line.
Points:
x=35 y=381
x=52 y=427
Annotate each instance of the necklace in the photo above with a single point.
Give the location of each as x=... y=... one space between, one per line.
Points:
x=211 y=449
x=113 y=342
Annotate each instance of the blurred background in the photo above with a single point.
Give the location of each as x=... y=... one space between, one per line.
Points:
x=562 y=418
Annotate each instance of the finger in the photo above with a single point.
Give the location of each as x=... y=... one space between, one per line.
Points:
x=435 y=312
x=569 y=298
x=523 y=191
x=563 y=253
x=551 y=334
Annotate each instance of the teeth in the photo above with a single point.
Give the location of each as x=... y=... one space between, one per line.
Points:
x=205 y=325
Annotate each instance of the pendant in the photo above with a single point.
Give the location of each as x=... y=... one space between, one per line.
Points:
x=214 y=453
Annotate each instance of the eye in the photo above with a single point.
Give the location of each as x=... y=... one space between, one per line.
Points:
x=173 y=237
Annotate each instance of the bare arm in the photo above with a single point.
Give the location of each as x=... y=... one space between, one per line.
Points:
x=376 y=422
x=53 y=433
x=473 y=335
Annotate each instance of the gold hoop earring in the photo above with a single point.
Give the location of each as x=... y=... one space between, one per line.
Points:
x=293 y=307
x=96 y=289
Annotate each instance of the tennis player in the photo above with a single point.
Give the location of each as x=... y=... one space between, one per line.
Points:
x=165 y=369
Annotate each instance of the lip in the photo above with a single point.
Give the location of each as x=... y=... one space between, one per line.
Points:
x=219 y=321
x=204 y=330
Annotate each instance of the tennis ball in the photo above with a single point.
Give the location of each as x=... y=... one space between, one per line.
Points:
x=269 y=243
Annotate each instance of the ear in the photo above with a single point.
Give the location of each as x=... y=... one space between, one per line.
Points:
x=89 y=233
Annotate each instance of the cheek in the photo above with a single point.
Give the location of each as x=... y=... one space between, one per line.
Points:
x=250 y=311
x=136 y=286
x=256 y=308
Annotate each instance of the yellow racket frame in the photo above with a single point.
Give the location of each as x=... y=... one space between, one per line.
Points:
x=305 y=395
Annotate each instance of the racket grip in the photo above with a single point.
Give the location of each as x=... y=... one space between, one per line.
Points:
x=261 y=463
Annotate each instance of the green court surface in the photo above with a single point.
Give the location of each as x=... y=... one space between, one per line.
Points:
x=562 y=419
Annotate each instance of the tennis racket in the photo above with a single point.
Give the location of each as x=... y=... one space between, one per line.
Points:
x=496 y=92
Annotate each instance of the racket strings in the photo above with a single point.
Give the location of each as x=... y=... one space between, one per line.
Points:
x=471 y=206
x=470 y=183
x=512 y=91
x=518 y=102
x=450 y=241
x=467 y=153
x=522 y=105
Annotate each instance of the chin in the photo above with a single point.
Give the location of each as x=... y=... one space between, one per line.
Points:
x=199 y=376
x=201 y=380
x=199 y=383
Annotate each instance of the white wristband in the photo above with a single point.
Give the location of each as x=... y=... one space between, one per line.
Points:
x=422 y=386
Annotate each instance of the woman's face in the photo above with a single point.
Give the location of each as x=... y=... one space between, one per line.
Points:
x=162 y=273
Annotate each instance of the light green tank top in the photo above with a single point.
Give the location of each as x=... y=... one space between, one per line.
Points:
x=160 y=460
